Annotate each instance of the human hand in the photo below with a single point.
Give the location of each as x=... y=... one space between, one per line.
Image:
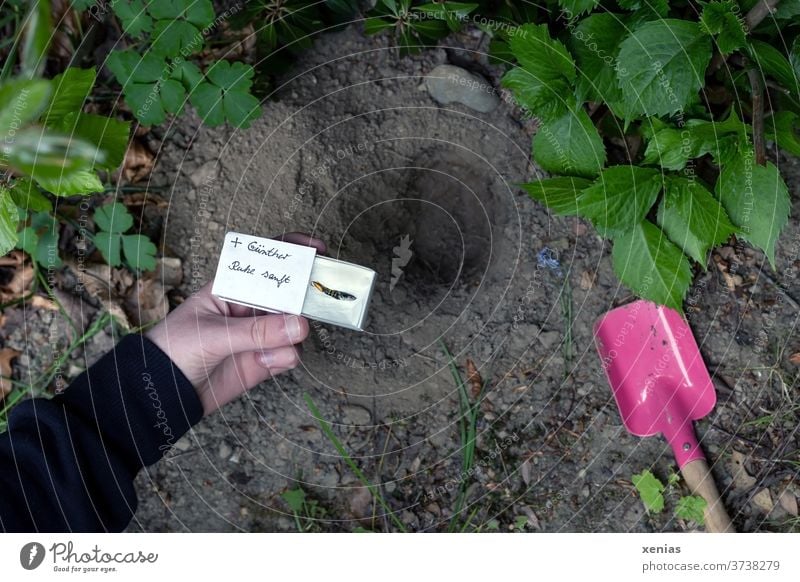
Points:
x=225 y=349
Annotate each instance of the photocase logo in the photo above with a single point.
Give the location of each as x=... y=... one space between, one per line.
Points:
x=402 y=254
x=31 y=555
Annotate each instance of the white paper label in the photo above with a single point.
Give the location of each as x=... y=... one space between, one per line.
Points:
x=263 y=272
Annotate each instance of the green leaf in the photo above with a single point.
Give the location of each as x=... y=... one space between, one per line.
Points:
x=28 y=240
x=443 y=9
x=756 y=199
x=176 y=37
x=82 y=5
x=70 y=91
x=773 y=63
x=207 y=99
x=374 y=25
x=691 y=508
x=36 y=38
x=692 y=218
x=544 y=82
x=666 y=62
x=133 y=17
x=226 y=95
x=109 y=135
x=130 y=67
x=9 y=219
x=187 y=74
x=231 y=76
x=145 y=103
x=140 y=252
x=29 y=197
x=595 y=44
x=40 y=240
x=172 y=95
x=794 y=58
x=672 y=148
x=21 y=102
x=147 y=85
x=559 y=194
x=198 y=12
x=651 y=266
x=570 y=145
x=576 y=7
x=113 y=217
x=46 y=155
x=620 y=198
x=783 y=127
x=295 y=499
x=722 y=19
x=80 y=182
x=108 y=243
x=651 y=490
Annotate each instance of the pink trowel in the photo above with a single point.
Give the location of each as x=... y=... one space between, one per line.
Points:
x=661 y=385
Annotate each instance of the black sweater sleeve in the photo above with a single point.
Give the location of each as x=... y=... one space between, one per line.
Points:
x=68 y=463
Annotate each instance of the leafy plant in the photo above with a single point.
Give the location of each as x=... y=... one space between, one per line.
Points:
x=640 y=119
x=113 y=221
x=50 y=146
x=652 y=493
x=157 y=73
x=307 y=512
x=416 y=25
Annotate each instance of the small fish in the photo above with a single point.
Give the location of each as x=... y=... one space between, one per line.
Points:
x=332 y=292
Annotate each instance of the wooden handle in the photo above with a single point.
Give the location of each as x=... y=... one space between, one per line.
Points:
x=701 y=482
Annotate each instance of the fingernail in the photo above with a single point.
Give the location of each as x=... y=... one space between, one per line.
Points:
x=294 y=329
x=283 y=359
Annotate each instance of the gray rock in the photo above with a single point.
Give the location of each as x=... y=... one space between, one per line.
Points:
x=358 y=415
x=203 y=175
x=449 y=84
x=549 y=338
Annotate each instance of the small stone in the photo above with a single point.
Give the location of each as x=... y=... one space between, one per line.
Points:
x=763 y=501
x=183 y=444
x=549 y=338
x=449 y=84
x=224 y=451
x=788 y=502
x=356 y=415
x=203 y=175
x=390 y=487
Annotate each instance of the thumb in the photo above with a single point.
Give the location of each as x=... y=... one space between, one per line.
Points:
x=250 y=334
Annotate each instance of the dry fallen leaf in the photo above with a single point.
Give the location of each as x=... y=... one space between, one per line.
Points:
x=361 y=503
x=23 y=274
x=763 y=501
x=100 y=282
x=795 y=358
x=788 y=502
x=741 y=478
x=147 y=302
x=43 y=303
x=587 y=280
x=138 y=162
x=6 y=355
x=474 y=379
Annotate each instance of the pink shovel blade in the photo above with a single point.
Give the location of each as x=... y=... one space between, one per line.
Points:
x=657 y=374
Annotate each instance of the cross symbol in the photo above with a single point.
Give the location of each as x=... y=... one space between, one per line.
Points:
x=236 y=242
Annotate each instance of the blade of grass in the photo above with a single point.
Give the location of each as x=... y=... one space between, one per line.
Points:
x=326 y=429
